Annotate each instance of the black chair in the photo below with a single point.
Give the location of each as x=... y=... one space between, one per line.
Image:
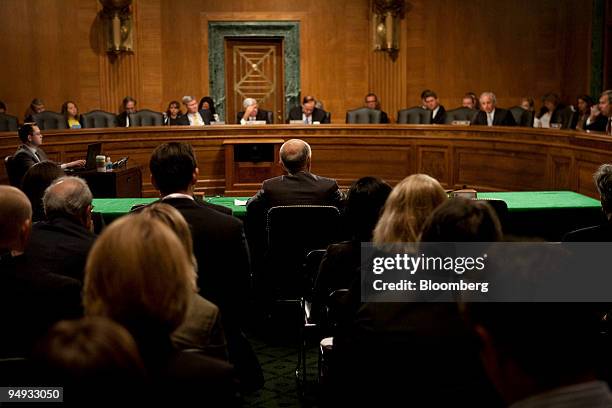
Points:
x=8 y=123
x=50 y=120
x=499 y=206
x=11 y=173
x=527 y=119
x=98 y=119
x=414 y=116
x=327 y=117
x=462 y=113
x=146 y=117
x=363 y=115
x=517 y=113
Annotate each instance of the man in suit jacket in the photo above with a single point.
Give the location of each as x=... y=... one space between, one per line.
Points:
x=193 y=117
x=30 y=153
x=431 y=103
x=489 y=115
x=599 y=119
x=61 y=243
x=371 y=102
x=129 y=106
x=220 y=248
x=252 y=112
x=308 y=113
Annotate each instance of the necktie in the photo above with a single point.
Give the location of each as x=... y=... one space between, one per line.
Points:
x=196 y=119
x=490 y=119
x=37 y=156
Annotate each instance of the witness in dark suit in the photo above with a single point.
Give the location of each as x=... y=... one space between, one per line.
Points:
x=129 y=106
x=220 y=248
x=308 y=113
x=431 y=103
x=119 y=285
x=30 y=153
x=371 y=102
x=252 y=112
x=602 y=232
x=193 y=116
x=490 y=115
x=61 y=243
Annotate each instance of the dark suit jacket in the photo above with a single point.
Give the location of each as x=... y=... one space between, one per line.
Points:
x=601 y=121
x=502 y=117
x=23 y=159
x=318 y=115
x=204 y=113
x=261 y=115
x=598 y=233
x=122 y=119
x=440 y=117
x=59 y=245
x=383 y=117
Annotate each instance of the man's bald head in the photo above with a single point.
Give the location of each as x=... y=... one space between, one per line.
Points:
x=295 y=155
x=69 y=197
x=15 y=218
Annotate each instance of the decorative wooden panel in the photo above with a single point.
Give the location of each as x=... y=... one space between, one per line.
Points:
x=561 y=172
x=434 y=162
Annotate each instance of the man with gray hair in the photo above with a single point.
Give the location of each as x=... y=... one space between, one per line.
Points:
x=61 y=244
x=193 y=117
x=603 y=232
x=252 y=112
x=490 y=115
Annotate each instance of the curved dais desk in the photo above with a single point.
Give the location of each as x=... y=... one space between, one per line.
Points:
x=484 y=158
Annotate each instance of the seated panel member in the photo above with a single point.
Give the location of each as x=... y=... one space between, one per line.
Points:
x=431 y=103
x=129 y=106
x=193 y=117
x=308 y=113
x=371 y=102
x=489 y=115
x=252 y=112
x=30 y=153
x=599 y=119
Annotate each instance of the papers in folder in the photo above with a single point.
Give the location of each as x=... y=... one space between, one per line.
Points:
x=238 y=202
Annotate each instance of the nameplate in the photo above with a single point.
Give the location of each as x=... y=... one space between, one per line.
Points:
x=255 y=122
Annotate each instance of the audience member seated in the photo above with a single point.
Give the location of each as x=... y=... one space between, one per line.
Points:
x=36 y=106
x=603 y=232
x=35 y=182
x=60 y=244
x=423 y=349
x=253 y=113
x=599 y=120
x=193 y=117
x=119 y=286
x=30 y=152
x=307 y=113
x=431 y=103
x=220 y=249
x=173 y=114
x=88 y=357
x=554 y=113
x=207 y=103
x=490 y=115
x=71 y=113
x=30 y=302
x=201 y=331
x=340 y=265
x=584 y=103
x=128 y=106
x=372 y=102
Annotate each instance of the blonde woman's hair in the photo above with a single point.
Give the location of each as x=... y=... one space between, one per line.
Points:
x=175 y=220
x=408 y=206
x=138 y=274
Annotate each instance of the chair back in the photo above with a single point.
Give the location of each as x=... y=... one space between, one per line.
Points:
x=146 y=117
x=10 y=172
x=292 y=232
x=269 y=117
x=8 y=123
x=327 y=117
x=517 y=113
x=461 y=113
x=414 y=116
x=527 y=119
x=50 y=120
x=98 y=119
x=363 y=115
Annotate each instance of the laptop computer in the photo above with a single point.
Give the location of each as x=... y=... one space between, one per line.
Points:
x=93 y=150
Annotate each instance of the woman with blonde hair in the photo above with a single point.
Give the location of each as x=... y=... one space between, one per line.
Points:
x=408 y=206
x=139 y=274
x=202 y=330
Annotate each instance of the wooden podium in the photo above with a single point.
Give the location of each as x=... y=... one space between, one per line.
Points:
x=248 y=163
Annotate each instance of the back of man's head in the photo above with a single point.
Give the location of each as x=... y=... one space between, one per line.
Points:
x=295 y=155
x=68 y=197
x=172 y=166
x=15 y=218
x=25 y=131
x=603 y=180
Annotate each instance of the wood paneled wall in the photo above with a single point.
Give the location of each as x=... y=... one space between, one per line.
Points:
x=53 y=49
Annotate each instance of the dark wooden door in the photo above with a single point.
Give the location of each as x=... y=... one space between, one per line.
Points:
x=254 y=69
